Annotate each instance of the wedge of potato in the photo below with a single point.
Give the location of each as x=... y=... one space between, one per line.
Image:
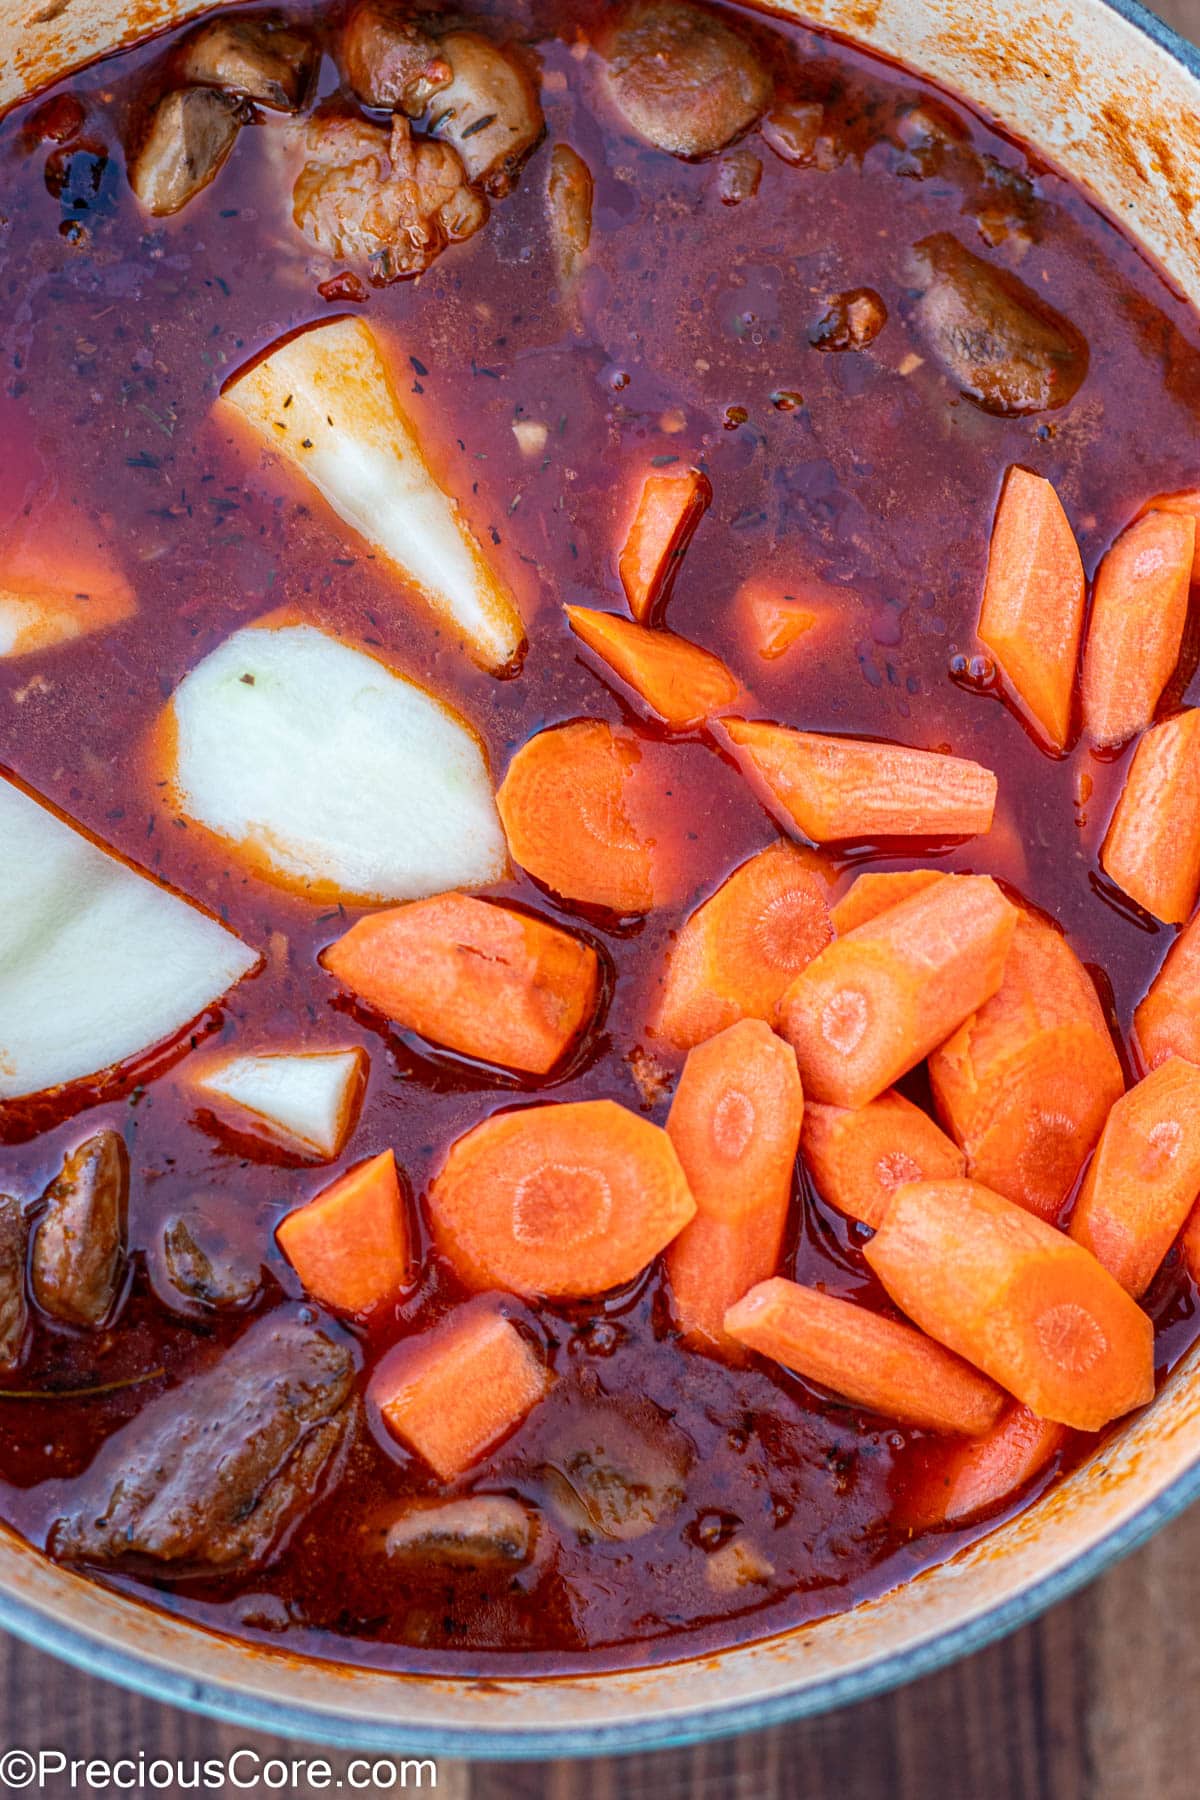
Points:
x=324 y=402
x=46 y=600
x=98 y=963
x=328 y=772
x=304 y=1101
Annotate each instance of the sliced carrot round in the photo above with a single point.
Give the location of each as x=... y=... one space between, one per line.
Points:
x=564 y=1201
x=593 y=813
x=744 y=945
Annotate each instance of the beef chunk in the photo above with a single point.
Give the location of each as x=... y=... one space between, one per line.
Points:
x=79 y=1247
x=14 y=1309
x=211 y=1474
x=260 y=59
x=682 y=78
x=382 y=200
x=199 y=1272
x=483 y=1533
x=191 y=132
x=1008 y=351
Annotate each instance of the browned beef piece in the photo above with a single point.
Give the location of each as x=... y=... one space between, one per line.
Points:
x=212 y=1474
x=682 y=78
x=259 y=58
x=14 y=1309
x=79 y=1247
x=1007 y=350
x=190 y=133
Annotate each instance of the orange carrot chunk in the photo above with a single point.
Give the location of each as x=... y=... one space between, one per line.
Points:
x=877 y=1001
x=1167 y=1022
x=970 y=1480
x=1139 y=609
x=481 y=979
x=773 y=621
x=1026 y=1084
x=565 y=1201
x=593 y=813
x=1032 y=611
x=350 y=1246
x=668 y=512
x=680 y=683
x=858 y=1158
x=1144 y=1177
x=742 y=946
x=1187 y=504
x=453 y=1393
x=1152 y=850
x=735 y=1124
x=1017 y=1298
x=831 y=788
x=1189 y=1245
x=872 y=892
x=874 y=1362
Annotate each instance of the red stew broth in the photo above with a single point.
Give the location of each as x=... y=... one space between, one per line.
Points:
x=687 y=339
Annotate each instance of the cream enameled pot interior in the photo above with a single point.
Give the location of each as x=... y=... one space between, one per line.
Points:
x=1121 y=114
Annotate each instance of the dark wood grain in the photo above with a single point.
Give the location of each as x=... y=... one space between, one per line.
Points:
x=1093 y=1702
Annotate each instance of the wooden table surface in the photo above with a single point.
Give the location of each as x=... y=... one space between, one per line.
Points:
x=1095 y=1701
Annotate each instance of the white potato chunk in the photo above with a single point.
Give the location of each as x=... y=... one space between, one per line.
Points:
x=46 y=600
x=324 y=402
x=305 y=1101
x=98 y=963
x=329 y=772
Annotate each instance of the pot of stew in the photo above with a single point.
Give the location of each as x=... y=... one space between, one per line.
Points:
x=599 y=1040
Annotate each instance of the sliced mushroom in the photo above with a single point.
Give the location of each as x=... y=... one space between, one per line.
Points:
x=191 y=132
x=618 y=1471
x=389 y=60
x=384 y=200
x=489 y=111
x=1008 y=351
x=261 y=59
x=14 y=1308
x=481 y=1533
x=79 y=1247
x=569 y=191
x=682 y=78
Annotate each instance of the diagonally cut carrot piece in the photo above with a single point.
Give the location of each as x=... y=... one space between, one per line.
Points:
x=1026 y=1084
x=735 y=1125
x=592 y=812
x=1152 y=850
x=859 y=1157
x=1144 y=1177
x=831 y=788
x=482 y=979
x=350 y=1246
x=870 y=1361
x=1017 y=1298
x=773 y=621
x=1139 y=610
x=876 y=1002
x=679 y=682
x=970 y=1480
x=872 y=892
x=742 y=946
x=668 y=512
x=1167 y=1022
x=455 y=1392
x=1187 y=504
x=565 y=1201
x=1032 y=611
